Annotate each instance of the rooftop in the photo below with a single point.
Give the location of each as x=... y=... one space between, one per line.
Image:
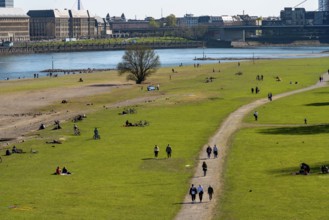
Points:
x=12 y=12
x=80 y=13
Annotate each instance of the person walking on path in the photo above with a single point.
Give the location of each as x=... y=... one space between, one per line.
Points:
x=168 y=150
x=208 y=150
x=193 y=192
x=256 y=115
x=215 y=150
x=204 y=168
x=210 y=192
x=200 y=192
x=269 y=96
x=156 y=151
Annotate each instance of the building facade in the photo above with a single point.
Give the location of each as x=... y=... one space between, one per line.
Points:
x=14 y=25
x=102 y=27
x=49 y=24
x=6 y=3
x=323 y=5
x=61 y=24
x=289 y=16
x=81 y=24
x=188 y=21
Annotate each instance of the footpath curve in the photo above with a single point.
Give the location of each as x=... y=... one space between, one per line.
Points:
x=222 y=138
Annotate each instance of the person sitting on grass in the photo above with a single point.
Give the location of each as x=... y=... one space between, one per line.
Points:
x=57 y=125
x=65 y=171
x=14 y=150
x=304 y=169
x=58 y=171
x=128 y=124
x=324 y=169
x=42 y=126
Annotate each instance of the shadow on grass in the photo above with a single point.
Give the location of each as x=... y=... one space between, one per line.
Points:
x=7 y=139
x=109 y=85
x=302 y=130
x=288 y=171
x=152 y=158
x=318 y=104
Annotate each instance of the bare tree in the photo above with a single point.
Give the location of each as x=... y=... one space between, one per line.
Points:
x=140 y=62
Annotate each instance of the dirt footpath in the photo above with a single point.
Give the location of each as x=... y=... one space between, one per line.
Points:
x=206 y=209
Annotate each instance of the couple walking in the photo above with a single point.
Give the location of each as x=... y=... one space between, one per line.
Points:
x=209 y=150
x=157 y=150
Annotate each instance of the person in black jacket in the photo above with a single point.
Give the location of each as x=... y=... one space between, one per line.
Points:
x=210 y=192
x=204 y=168
x=193 y=192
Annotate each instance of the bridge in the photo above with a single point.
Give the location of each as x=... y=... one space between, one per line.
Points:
x=246 y=32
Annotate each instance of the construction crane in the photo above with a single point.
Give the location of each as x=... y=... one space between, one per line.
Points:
x=300 y=3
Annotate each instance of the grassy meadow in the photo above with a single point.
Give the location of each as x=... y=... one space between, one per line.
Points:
x=116 y=177
x=259 y=180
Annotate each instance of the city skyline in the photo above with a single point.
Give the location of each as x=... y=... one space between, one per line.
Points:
x=143 y=8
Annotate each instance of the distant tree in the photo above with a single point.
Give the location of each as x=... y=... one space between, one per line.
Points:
x=199 y=31
x=108 y=17
x=154 y=23
x=123 y=17
x=171 y=20
x=140 y=62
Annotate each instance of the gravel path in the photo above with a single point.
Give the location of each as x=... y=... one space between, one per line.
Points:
x=222 y=139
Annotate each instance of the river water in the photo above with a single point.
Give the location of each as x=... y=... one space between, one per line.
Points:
x=25 y=65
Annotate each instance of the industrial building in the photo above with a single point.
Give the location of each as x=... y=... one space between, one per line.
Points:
x=61 y=24
x=14 y=25
x=81 y=24
x=49 y=24
x=102 y=27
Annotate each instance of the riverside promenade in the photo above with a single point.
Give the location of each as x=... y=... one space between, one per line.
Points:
x=53 y=48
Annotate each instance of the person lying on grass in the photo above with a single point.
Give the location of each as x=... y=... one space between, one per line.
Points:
x=53 y=142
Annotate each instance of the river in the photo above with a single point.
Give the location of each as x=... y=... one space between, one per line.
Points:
x=25 y=65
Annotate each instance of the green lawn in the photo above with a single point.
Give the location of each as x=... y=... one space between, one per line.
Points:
x=258 y=180
x=116 y=177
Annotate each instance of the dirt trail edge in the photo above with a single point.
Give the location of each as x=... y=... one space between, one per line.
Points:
x=231 y=124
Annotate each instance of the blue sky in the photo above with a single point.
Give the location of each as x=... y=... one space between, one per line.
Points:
x=142 y=8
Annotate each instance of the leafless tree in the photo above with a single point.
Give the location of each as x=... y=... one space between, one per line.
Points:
x=140 y=62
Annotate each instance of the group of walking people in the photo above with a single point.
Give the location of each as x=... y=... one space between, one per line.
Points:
x=194 y=191
x=209 y=150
